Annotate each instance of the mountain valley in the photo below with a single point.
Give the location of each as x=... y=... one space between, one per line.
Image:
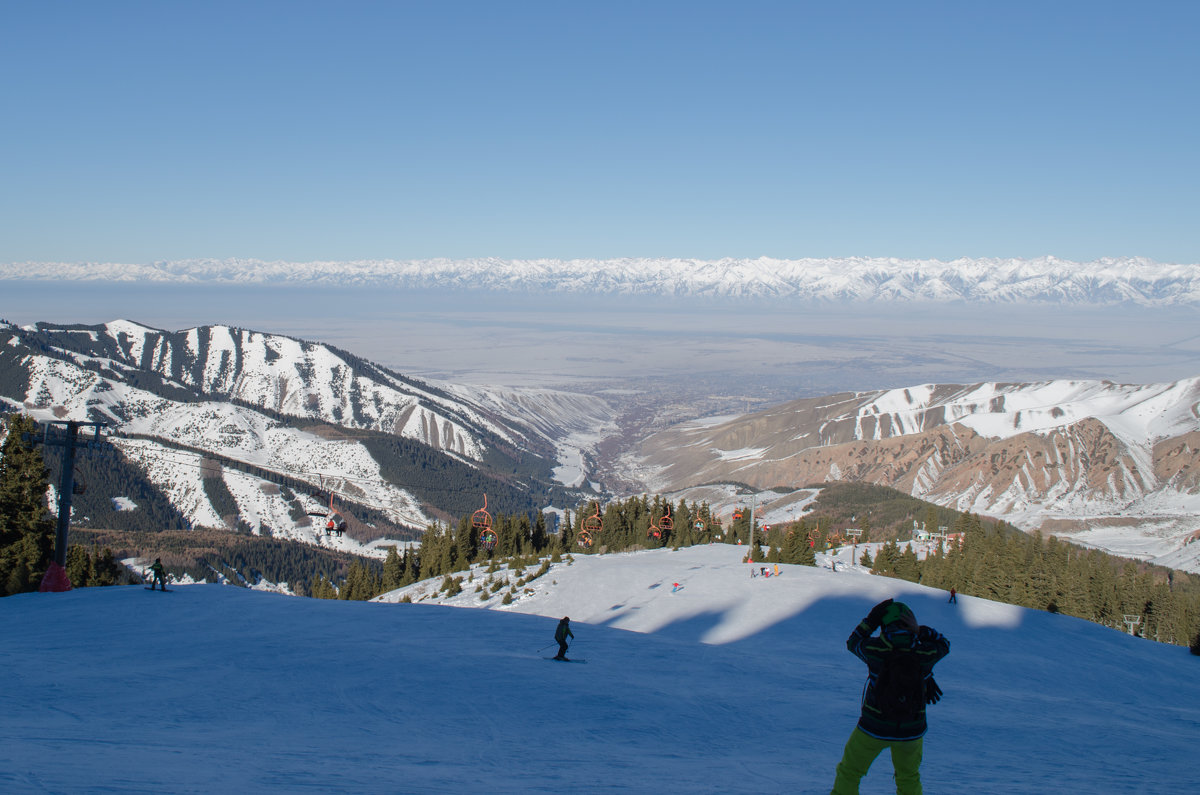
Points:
x=264 y=433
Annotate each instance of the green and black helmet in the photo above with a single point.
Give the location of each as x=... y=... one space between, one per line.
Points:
x=899 y=618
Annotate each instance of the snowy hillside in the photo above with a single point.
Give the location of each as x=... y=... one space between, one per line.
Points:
x=1042 y=280
x=728 y=684
x=299 y=410
x=1111 y=465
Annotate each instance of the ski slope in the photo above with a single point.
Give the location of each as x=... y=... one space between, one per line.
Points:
x=727 y=684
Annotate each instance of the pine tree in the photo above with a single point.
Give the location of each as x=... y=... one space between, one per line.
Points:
x=907 y=565
x=756 y=552
x=79 y=566
x=106 y=569
x=794 y=544
x=26 y=530
x=886 y=560
x=393 y=570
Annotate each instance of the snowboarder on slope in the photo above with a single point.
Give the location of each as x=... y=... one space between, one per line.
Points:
x=560 y=636
x=160 y=576
x=877 y=729
x=953 y=596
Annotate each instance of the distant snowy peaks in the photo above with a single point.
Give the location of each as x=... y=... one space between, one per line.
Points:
x=1050 y=280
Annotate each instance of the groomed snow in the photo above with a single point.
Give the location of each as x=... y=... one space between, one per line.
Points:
x=728 y=685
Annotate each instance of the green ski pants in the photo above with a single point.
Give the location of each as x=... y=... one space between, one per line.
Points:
x=861 y=750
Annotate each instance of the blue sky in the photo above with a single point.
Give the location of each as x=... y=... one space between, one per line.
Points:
x=143 y=131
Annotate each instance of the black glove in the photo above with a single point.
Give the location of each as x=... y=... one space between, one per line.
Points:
x=927 y=634
x=875 y=617
x=933 y=693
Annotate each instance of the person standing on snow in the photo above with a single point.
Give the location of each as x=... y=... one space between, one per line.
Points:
x=899 y=663
x=560 y=637
x=160 y=577
x=953 y=596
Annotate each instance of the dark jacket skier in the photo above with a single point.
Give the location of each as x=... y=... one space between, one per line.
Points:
x=901 y=645
x=160 y=577
x=560 y=637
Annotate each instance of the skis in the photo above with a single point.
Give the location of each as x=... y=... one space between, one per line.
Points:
x=575 y=660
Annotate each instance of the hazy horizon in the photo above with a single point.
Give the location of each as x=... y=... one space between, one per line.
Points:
x=557 y=339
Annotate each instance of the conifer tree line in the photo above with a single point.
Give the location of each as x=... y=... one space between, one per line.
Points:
x=26 y=528
x=998 y=562
x=26 y=531
x=102 y=474
x=220 y=556
x=640 y=522
x=522 y=540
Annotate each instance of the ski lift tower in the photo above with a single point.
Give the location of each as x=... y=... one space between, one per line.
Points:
x=750 y=532
x=1132 y=621
x=70 y=442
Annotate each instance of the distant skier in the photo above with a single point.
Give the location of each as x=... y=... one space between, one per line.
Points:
x=899 y=683
x=160 y=575
x=953 y=596
x=560 y=636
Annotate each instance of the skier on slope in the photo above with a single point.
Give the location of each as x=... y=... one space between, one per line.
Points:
x=560 y=637
x=160 y=576
x=900 y=682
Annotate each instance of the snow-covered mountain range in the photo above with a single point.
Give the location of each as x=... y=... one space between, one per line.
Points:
x=1106 y=281
x=300 y=410
x=1113 y=465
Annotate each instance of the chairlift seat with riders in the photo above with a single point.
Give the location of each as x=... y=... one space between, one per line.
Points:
x=481 y=523
x=334 y=521
x=594 y=524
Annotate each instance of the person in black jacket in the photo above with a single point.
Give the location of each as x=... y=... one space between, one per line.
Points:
x=160 y=575
x=899 y=682
x=560 y=636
